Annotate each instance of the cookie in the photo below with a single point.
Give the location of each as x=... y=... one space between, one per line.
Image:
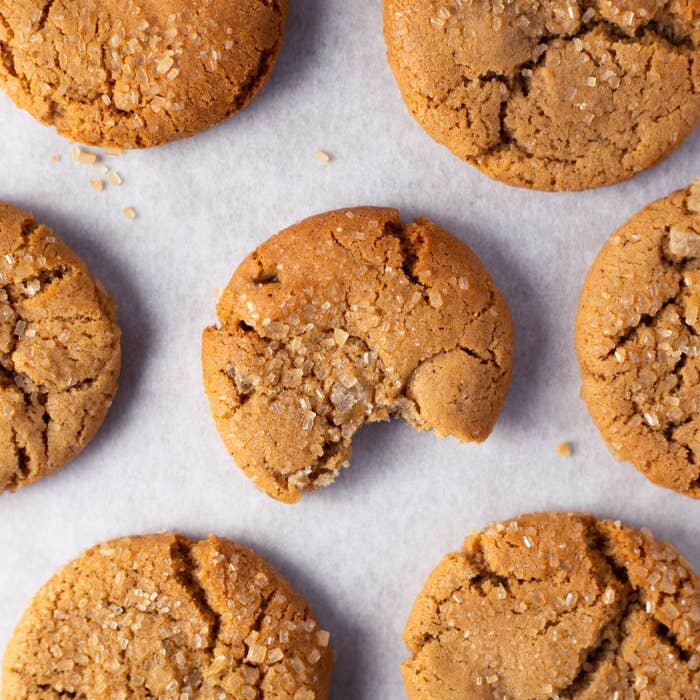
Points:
x=553 y=95
x=347 y=318
x=162 y=616
x=136 y=73
x=556 y=605
x=638 y=345
x=60 y=351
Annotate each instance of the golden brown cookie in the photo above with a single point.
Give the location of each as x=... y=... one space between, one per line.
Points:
x=638 y=344
x=136 y=73
x=557 y=605
x=347 y=318
x=162 y=616
x=554 y=95
x=60 y=351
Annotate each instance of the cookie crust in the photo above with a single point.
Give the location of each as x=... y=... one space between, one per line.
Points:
x=556 y=605
x=554 y=95
x=347 y=318
x=60 y=351
x=638 y=344
x=136 y=73
x=163 y=616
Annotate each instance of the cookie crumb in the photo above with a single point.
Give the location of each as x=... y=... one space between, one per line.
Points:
x=322 y=157
x=564 y=449
x=129 y=213
x=97 y=185
x=56 y=158
x=83 y=157
x=115 y=178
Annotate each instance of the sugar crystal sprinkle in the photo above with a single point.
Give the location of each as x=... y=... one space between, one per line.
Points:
x=129 y=213
x=322 y=157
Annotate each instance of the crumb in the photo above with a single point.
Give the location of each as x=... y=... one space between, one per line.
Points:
x=97 y=185
x=115 y=178
x=564 y=449
x=323 y=157
x=56 y=158
x=129 y=213
x=83 y=157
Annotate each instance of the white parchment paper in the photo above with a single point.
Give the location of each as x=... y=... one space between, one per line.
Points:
x=360 y=550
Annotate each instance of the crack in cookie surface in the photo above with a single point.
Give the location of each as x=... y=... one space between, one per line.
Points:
x=136 y=74
x=638 y=343
x=59 y=351
x=165 y=616
x=349 y=318
x=556 y=605
x=551 y=95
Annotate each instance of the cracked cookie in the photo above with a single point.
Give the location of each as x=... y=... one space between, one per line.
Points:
x=638 y=344
x=556 y=605
x=550 y=94
x=162 y=616
x=136 y=73
x=60 y=351
x=347 y=318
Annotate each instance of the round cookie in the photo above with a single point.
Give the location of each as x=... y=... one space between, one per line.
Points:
x=136 y=74
x=347 y=318
x=638 y=345
x=556 y=605
x=553 y=95
x=162 y=616
x=60 y=351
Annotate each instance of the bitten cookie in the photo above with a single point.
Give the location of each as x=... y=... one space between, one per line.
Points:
x=347 y=318
x=137 y=73
x=60 y=351
x=554 y=95
x=556 y=605
x=162 y=616
x=638 y=344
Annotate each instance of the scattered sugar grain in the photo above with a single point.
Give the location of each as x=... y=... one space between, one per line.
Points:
x=322 y=157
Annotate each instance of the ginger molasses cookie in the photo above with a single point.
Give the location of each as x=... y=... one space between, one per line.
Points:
x=347 y=318
x=638 y=345
x=162 y=616
x=554 y=95
x=136 y=73
x=556 y=605
x=60 y=351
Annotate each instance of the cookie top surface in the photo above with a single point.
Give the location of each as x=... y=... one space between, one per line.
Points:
x=556 y=605
x=60 y=351
x=162 y=616
x=553 y=94
x=136 y=73
x=346 y=318
x=638 y=344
